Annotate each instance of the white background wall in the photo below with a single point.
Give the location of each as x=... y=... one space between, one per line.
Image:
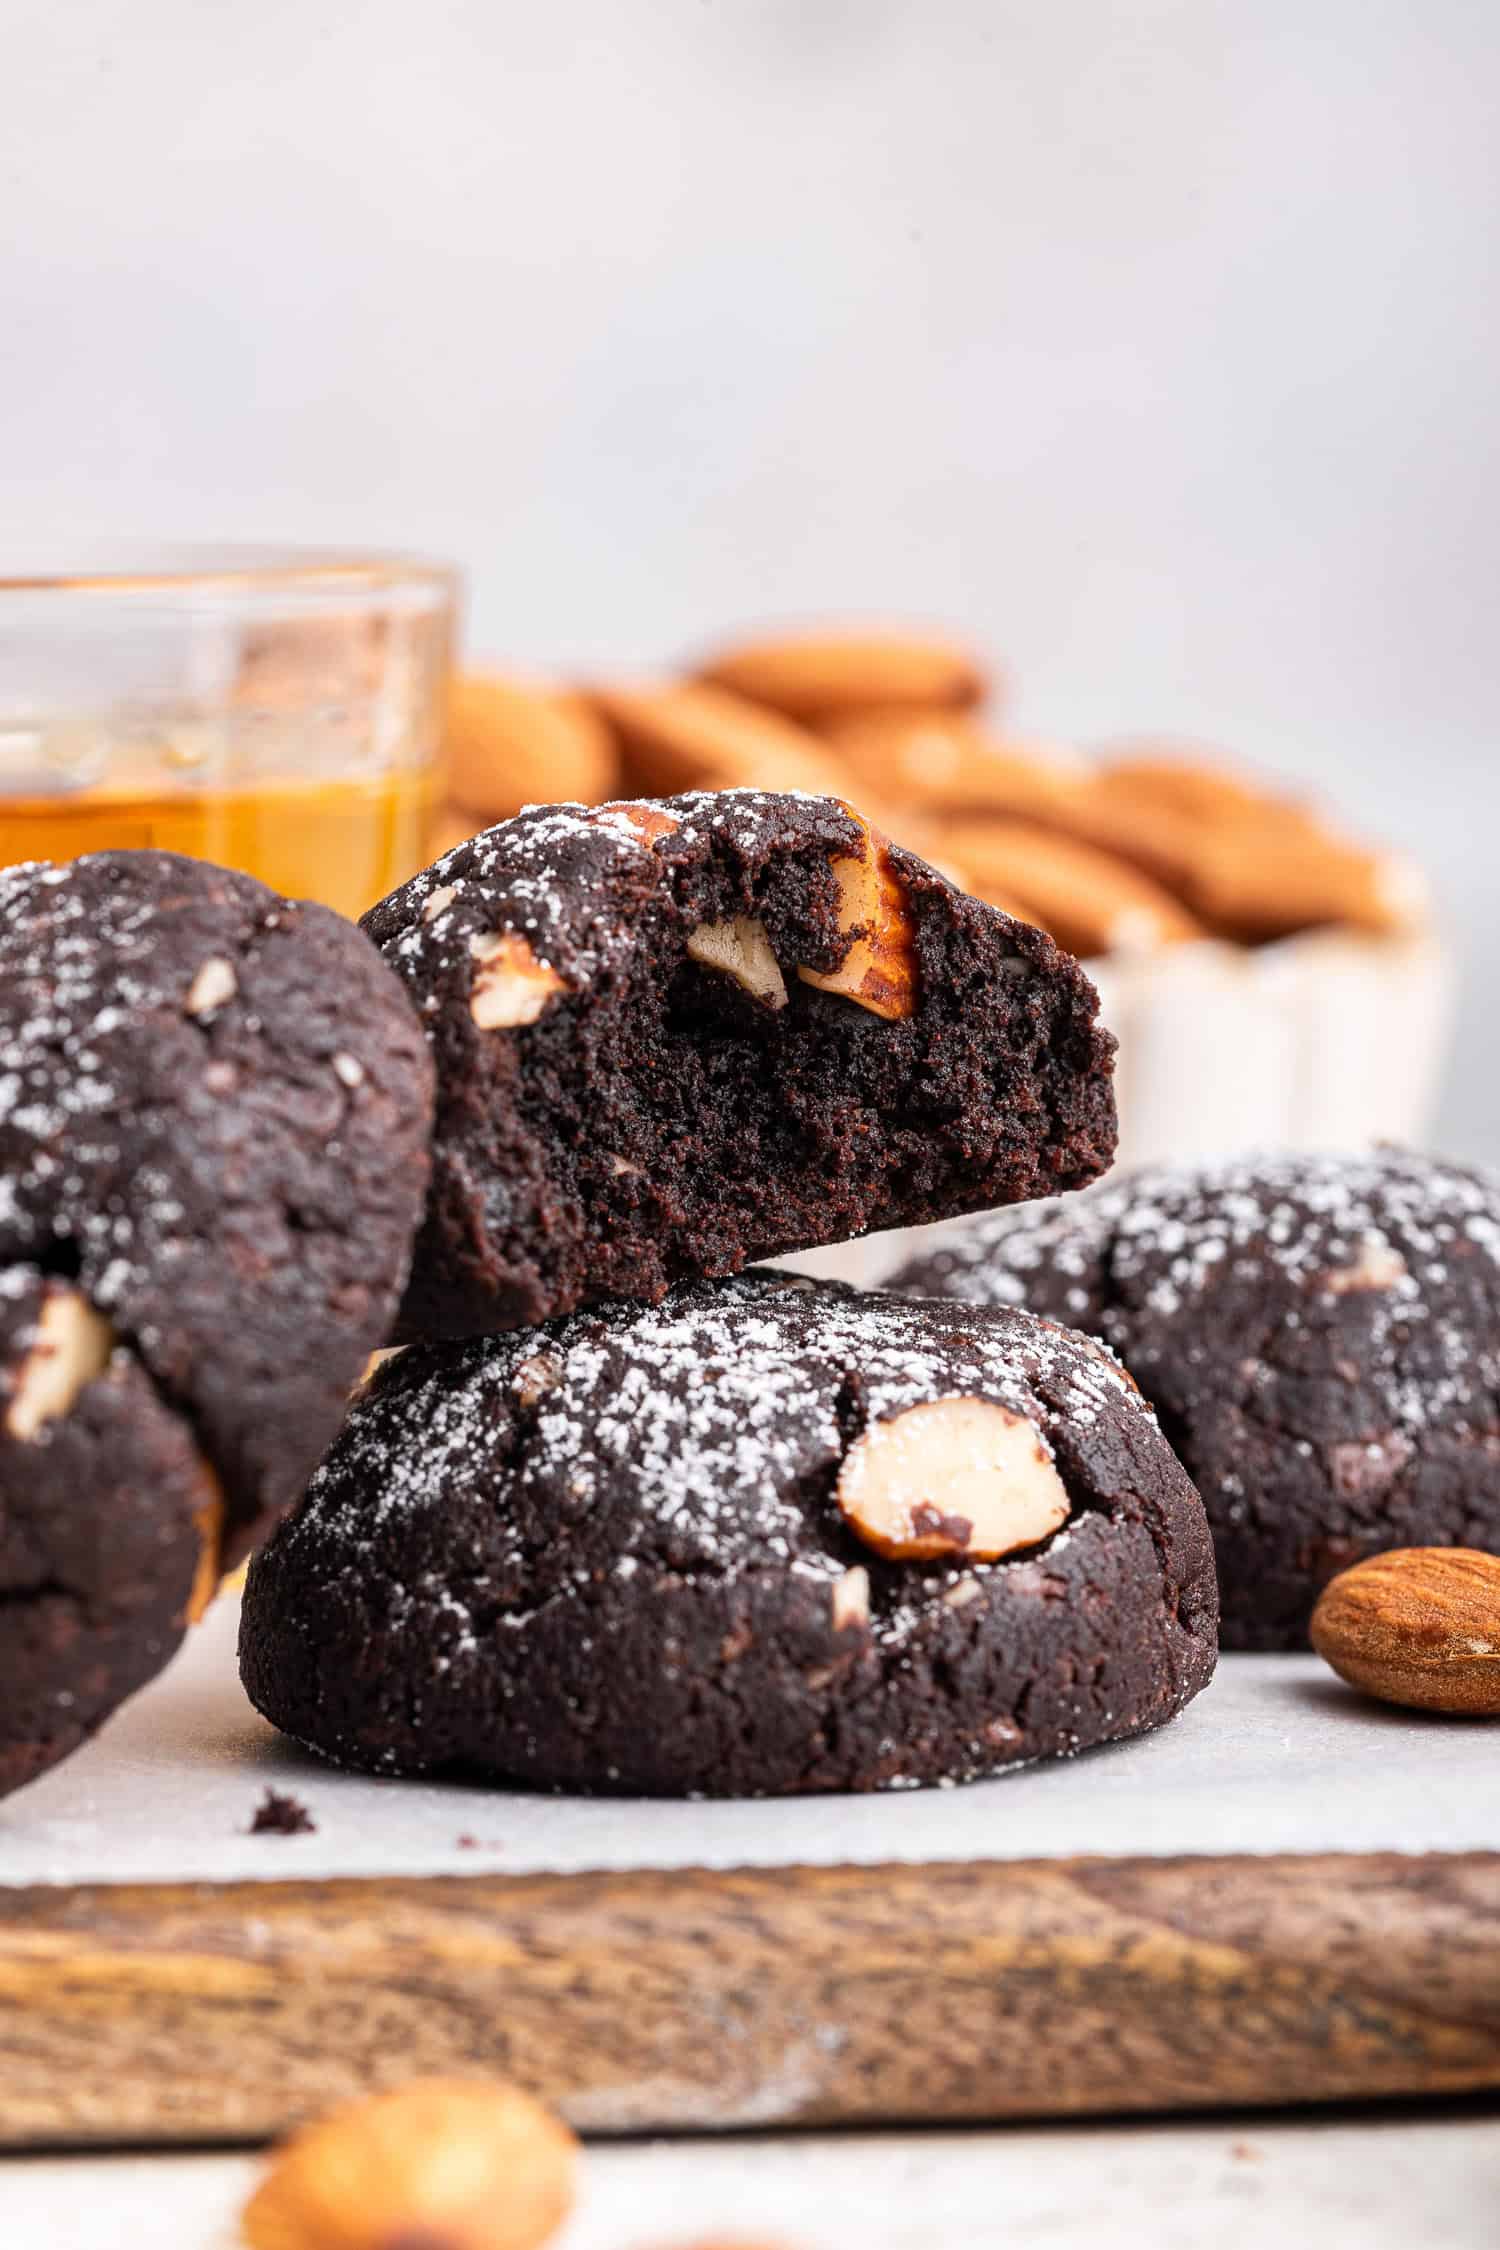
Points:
x=1153 y=342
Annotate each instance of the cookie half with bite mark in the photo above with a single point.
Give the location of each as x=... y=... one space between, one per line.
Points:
x=771 y=1536
x=214 y=1111
x=1320 y=1336
x=674 y=1037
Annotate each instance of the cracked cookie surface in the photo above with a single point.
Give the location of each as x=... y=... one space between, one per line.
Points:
x=1320 y=1336
x=214 y=1106
x=610 y=1555
x=678 y=1036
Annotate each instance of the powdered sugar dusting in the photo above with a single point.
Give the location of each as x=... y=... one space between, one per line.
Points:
x=1417 y=1242
x=717 y=1412
x=524 y=875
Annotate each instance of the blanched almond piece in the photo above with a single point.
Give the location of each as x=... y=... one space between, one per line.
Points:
x=511 y=986
x=958 y=1476
x=743 y=951
x=214 y=984
x=536 y=1376
x=880 y=968
x=812 y=675
x=438 y=901
x=851 y=1598
x=1377 y=1266
x=72 y=1345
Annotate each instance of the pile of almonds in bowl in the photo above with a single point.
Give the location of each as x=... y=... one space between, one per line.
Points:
x=1133 y=850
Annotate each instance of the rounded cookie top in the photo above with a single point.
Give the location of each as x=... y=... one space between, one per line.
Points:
x=770 y=1535
x=1321 y=1335
x=677 y=1036
x=214 y=1106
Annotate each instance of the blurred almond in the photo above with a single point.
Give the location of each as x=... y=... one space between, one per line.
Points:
x=447 y=2164
x=944 y=760
x=814 y=676
x=1256 y=887
x=683 y=735
x=1090 y=901
x=451 y=825
x=1251 y=862
x=511 y=744
x=1202 y=787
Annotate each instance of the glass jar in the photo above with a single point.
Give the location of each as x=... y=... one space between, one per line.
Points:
x=278 y=713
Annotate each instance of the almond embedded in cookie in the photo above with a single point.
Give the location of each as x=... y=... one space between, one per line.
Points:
x=955 y=1476
x=880 y=969
x=928 y=1055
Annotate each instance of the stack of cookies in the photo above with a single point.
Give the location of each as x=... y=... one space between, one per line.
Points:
x=614 y=1523
x=621 y=1514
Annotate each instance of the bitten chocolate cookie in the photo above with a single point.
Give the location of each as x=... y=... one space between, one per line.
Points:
x=674 y=1037
x=1319 y=1335
x=770 y=1536
x=214 y=1108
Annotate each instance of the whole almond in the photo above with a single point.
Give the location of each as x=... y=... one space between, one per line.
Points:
x=1419 y=1626
x=811 y=676
x=512 y=742
x=450 y=2164
x=683 y=734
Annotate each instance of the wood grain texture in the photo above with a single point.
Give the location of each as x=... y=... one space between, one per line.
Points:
x=787 y=1996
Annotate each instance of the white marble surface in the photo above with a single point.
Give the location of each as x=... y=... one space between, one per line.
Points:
x=1275 y=1756
x=1431 y=2183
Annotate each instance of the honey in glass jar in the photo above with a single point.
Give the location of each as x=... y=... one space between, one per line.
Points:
x=280 y=715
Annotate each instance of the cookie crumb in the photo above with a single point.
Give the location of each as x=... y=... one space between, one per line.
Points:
x=279 y=1814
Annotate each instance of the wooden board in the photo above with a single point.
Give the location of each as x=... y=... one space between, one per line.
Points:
x=652 y=1990
x=713 y=1999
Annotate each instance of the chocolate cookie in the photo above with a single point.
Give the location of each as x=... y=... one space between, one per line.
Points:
x=770 y=1536
x=213 y=1118
x=1319 y=1335
x=676 y=1037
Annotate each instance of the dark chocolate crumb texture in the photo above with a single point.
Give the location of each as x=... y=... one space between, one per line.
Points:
x=674 y=1037
x=770 y=1536
x=213 y=1122
x=1319 y=1334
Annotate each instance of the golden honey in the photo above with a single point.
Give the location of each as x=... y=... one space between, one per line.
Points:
x=279 y=714
x=346 y=842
